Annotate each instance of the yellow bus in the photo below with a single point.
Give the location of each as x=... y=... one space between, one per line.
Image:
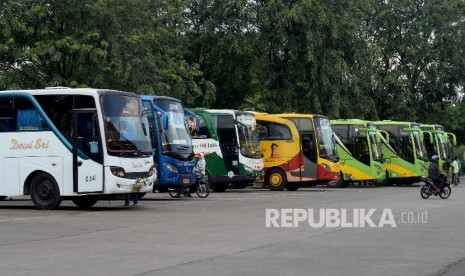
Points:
x=298 y=149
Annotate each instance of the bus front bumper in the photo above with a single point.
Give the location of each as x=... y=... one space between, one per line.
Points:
x=121 y=185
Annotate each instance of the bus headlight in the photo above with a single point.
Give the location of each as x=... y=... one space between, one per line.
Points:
x=152 y=171
x=117 y=171
x=326 y=167
x=171 y=168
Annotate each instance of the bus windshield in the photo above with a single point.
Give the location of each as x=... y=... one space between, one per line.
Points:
x=442 y=152
x=126 y=126
x=326 y=145
x=375 y=147
x=248 y=135
x=420 y=148
x=175 y=139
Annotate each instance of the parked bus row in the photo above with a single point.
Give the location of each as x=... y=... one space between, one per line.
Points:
x=80 y=144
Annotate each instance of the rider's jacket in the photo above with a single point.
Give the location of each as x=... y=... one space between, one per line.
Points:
x=433 y=171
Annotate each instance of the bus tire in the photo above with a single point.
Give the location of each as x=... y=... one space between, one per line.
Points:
x=3 y=198
x=85 y=202
x=293 y=186
x=220 y=187
x=140 y=195
x=276 y=179
x=45 y=193
x=340 y=183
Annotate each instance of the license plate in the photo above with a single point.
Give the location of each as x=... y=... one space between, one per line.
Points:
x=186 y=181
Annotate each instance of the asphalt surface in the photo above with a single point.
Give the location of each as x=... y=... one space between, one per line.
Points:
x=225 y=234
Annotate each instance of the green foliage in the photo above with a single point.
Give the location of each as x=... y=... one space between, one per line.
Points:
x=367 y=59
x=128 y=45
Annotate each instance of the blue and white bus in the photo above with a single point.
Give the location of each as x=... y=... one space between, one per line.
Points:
x=172 y=145
x=78 y=144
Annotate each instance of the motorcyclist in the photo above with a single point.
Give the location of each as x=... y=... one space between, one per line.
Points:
x=434 y=173
x=199 y=168
x=201 y=164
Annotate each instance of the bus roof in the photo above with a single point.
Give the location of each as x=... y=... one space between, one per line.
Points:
x=389 y=122
x=159 y=97
x=277 y=119
x=290 y=115
x=350 y=122
x=431 y=127
x=298 y=115
x=66 y=90
x=199 y=110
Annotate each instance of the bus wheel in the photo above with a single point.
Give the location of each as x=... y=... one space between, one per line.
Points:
x=340 y=183
x=220 y=187
x=276 y=180
x=293 y=186
x=85 y=202
x=45 y=192
x=2 y=198
x=140 y=195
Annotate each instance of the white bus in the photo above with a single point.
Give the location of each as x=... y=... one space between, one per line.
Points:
x=63 y=143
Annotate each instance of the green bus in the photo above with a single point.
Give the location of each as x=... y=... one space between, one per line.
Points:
x=230 y=143
x=360 y=151
x=406 y=158
x=439 y=143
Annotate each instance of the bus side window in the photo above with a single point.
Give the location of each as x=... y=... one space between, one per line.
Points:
x=309 y=143
x=202 y=132
x=6 y=114
x=262 y=132
x=58 y=108
x=88 y=136
x=27 y=117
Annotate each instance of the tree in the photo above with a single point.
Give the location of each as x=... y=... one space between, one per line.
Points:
x=135 y=45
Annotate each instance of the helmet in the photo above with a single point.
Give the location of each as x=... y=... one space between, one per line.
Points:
x=434 y=158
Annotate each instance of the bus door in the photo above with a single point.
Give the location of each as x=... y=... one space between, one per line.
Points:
x=308 y=167
x=87 y=152
x=229 y=144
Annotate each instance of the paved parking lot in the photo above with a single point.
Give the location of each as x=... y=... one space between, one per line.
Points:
x=226 y=234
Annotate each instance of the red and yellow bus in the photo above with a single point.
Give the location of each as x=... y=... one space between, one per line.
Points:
x=298 y=150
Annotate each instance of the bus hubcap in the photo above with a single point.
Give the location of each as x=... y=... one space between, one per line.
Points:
x=45 y=189
x=275 y=179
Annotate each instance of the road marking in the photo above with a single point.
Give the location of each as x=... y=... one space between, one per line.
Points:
x=26 y=218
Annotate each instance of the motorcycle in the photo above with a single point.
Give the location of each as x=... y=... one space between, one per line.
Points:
x=428 y=189
x=201 y=188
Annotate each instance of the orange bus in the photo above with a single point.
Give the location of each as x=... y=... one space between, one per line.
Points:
x=299 y=149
